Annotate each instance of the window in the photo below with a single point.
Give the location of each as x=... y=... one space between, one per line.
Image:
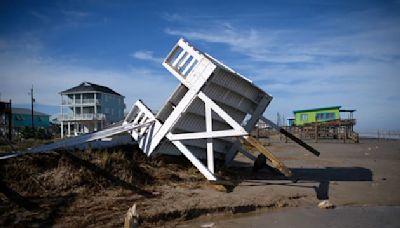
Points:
x=326 y=116
x=303 y=117
x=18 y=117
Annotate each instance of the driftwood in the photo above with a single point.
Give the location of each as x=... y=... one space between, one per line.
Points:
x=132 y=218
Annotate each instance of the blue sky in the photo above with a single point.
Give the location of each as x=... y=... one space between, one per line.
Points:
x=304 y=53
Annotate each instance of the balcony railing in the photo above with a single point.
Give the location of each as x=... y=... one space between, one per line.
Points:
x=87 y=116
x=66 y=102
x=81 y=101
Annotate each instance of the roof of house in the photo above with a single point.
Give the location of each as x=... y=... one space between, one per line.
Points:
x=317 y=109
x=25 y=111
x=90 y=87
x=347 y=110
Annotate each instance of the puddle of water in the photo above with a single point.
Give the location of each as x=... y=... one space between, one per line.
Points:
x=306 y=217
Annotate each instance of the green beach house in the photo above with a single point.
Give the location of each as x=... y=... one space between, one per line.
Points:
x=316 y=115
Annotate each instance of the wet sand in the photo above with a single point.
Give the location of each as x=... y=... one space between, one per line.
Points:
x=309 y=217
x=360 y=179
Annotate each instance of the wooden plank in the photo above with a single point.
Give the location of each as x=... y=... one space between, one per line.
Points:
x=196 y=162
x=207 y=135
x=274 y=160
x=292 y=137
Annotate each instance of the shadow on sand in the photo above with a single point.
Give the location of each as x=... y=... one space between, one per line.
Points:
x=321 y=176
x=325 y=175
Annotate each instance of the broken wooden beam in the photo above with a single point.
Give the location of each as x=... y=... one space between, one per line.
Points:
x=276 y=163
x=292 y=137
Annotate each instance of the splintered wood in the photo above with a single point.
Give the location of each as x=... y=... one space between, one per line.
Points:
x=274 y=160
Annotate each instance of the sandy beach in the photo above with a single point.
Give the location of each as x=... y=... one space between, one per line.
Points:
x=96 y=189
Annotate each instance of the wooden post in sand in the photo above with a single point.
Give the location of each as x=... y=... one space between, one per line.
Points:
x=132 y=218
x=316 y=132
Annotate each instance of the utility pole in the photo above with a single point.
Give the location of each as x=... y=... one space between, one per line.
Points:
x=278 y=119
x=32 y=100
x=9 y=122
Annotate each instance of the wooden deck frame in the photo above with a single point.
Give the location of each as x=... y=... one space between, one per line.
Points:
x=195 y=80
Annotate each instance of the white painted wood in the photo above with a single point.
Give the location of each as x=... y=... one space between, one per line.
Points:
x=208 y=135
x=196 y=162
x=176 y=74
x=62 y=129
x=210 y=151
x=219 y=145
x=176 y=61
x=197 y=108
x=234 y=100
x=143 y=136
x=196 y=123
x=185 y=71
x=228 y=81
x=186 y=46
x=180 y=65
x=249 y=126
x=182 y=106
x=173 y=117
x=81 y=139
x=221 y=113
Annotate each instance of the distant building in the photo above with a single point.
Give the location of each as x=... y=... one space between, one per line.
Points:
x=307 y=116
x=22 y=117
x=316 y=115
x=325 y=123
x=89 y=107
x=290 y=121
x=5 y=119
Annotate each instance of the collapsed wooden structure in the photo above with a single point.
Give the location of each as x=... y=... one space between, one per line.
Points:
x=210 y=112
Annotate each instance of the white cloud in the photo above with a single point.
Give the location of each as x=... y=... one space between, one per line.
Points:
x=368 y=36
x=75 y=13
x=49 y=77
x=171 y=17
x=40 y=16
x=147 y=56
x=355 y=65
x=252 y=43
